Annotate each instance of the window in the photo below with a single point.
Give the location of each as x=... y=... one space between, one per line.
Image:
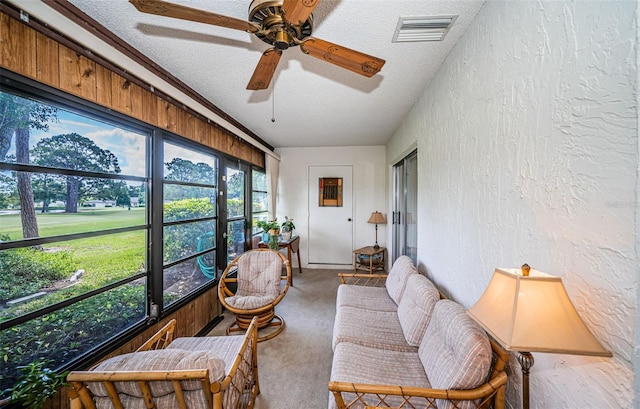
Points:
x=98 y=231
x=259 y=201
x=73 y=231
x=189 y=225
x=237 y=211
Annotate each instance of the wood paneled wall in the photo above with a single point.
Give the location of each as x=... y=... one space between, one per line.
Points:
x=34 y=55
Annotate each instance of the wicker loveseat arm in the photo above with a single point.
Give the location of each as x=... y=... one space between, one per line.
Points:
x=361 y=395
x=370 y=280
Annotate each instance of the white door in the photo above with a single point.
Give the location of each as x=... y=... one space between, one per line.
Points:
x=331 y=226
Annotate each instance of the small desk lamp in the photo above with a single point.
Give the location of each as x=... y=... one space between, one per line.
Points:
x=377 y=218
x=527 y=311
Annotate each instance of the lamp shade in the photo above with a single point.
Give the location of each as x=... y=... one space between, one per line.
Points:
x=377 y=218
x=533 y=314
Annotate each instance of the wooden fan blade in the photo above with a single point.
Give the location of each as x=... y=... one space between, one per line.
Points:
x=261 y=77
x=344 y=57
x=297 y=12
x=163 y=8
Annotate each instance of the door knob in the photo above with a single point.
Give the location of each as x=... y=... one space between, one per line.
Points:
x=349 y=219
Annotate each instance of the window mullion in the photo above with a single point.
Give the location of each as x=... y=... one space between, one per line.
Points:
x=154 y=289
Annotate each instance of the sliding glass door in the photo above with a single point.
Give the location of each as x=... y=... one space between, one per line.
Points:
x=405 y=207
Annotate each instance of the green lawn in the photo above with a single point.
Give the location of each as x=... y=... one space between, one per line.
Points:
x=52 y=224
x=104 y=258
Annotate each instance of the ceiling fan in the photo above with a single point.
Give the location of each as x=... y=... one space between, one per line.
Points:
x=281 y=23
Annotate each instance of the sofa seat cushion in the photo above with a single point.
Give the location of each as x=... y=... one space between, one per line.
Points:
x=376 y=329
x=163 y=392
x=361 y=364
x=225 y=348
x=397 y=278
x=363 y=297
x=415 y=308
x=455 y=350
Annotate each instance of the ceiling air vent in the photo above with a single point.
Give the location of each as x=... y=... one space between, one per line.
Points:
x=429 y=28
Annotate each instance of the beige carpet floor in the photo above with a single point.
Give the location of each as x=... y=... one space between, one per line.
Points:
x=294 y=367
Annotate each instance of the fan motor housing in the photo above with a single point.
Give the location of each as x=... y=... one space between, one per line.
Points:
x=274 y=29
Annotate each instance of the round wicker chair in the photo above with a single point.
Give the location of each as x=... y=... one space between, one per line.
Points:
x=251 y=286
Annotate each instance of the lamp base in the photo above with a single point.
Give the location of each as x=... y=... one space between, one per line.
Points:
x=526 y=362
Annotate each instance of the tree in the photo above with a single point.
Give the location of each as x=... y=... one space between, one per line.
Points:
x=18 y=116
x=47 y=188
x=186 y=171
x=235 y=185
x=140 y=192
x=76 y=152
x=121 y=193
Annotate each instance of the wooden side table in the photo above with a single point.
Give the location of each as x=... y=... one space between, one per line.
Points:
x=372 y=263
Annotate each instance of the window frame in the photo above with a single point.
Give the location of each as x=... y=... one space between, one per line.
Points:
x=253 y=191
x=27 y=88
x=155 y=137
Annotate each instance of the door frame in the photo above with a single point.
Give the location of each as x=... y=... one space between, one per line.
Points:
x=224 y=163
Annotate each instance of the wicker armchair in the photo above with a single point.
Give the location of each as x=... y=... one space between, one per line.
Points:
x=185 y=373
x=251 y=286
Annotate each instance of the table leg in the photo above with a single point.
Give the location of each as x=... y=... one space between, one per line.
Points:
x=290 y=264
x=299 y=263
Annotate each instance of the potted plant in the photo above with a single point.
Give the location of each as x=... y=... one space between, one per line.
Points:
x=269 y=228
x=287 y=228
x=36 y=384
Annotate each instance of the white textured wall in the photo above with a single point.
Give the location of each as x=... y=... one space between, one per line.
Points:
x=528 y=152
x=369 y=186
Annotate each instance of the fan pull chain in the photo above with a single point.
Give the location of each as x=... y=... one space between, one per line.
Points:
x=273 y=105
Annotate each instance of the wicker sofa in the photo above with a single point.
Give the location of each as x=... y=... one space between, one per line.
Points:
x=399 y=343
x=188 y=372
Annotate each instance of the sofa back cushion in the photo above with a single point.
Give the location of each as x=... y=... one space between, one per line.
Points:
x=397 y=279
x=415 y=308
x=455 y=351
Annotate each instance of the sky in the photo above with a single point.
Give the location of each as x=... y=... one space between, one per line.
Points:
x=127 y=145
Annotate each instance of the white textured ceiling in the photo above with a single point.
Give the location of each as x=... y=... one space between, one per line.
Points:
x=314 y=103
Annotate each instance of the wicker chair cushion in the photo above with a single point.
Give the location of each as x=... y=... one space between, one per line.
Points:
x=455 y=350
x=416 y=306
x=158 y=360
x=397 y=279
x=363 y=297
x=376 y=329
x=360 y=364
x=258 y=280
x=249 y=302
x=226 y=348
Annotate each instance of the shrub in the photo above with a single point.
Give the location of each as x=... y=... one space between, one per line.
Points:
x=182 y=240
x=65 y=334
x=187 y=209
x=26 y=270
x=36 y=384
